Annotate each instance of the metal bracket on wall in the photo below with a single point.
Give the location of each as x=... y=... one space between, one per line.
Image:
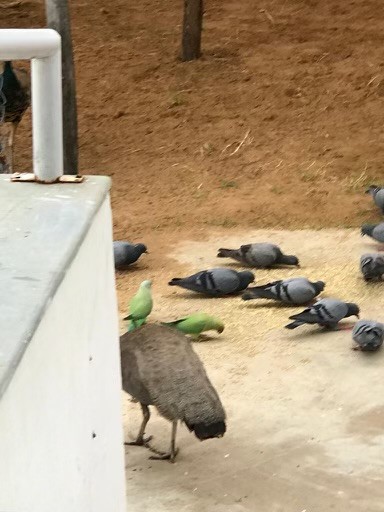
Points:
x=30 y=177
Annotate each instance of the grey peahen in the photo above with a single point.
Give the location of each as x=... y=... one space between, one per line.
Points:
x=160 y=368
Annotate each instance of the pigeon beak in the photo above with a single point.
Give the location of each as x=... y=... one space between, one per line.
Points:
x=125 y=318
x=357 y=316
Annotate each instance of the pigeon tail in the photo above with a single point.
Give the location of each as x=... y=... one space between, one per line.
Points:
x=293 y=325
x=286 y=259
x=175 y=281
x=305 y=317
x=248 y=295
x=228 y=253
x=259 y=292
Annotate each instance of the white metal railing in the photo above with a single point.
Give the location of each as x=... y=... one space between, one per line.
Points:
x=43 y=48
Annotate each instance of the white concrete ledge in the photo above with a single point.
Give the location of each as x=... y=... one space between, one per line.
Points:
x=61 y=435
x=41 y=230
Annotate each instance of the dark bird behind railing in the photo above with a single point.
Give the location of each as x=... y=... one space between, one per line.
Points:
x=15 y=98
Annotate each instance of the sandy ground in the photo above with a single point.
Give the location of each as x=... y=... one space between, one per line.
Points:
x=278 y=124
x=305 y=412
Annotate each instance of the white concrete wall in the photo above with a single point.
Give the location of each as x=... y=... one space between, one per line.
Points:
x=65 y=389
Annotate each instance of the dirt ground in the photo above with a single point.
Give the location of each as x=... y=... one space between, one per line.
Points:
x=278 y=125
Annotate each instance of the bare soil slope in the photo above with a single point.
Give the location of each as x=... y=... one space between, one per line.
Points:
x=279 y=124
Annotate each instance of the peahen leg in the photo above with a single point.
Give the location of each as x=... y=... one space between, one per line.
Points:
x=140 y=441
x=5 y=148
x=171 y=455
x=10 y=147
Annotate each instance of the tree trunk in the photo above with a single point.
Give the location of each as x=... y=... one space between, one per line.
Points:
x=192 y=27
x=58 y=18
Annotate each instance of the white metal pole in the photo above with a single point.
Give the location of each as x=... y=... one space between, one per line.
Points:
x=47 y=124
x=43 y=47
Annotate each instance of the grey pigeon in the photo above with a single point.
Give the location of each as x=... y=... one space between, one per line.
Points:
x=296 y=290
x=325 y=312
x=375 y=231
x=368 y=335
x=378 y=196
x=372 y=266
x=126 y=253
x=215 y=282
x=262 y=255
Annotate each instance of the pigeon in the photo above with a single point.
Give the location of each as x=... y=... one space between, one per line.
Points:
x=197 y=323
x=325 y=312
x=372 y=266
x=296 y=290
x=378 y=196
x=375 y=231
x=126 y=253
x=215 y=282
x=140 y=306
x=368 y=335
x=262 y=255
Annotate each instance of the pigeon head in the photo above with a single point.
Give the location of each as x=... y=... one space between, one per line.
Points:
x=372 y=189
x=366 y=229
x=319 y=286
x=367 y=258
x=353 y=309
x=290 y=260
x=246 y=278
x=141 y=248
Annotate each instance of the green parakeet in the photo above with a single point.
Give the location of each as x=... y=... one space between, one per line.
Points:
x=140 y=306
x=197 y=323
